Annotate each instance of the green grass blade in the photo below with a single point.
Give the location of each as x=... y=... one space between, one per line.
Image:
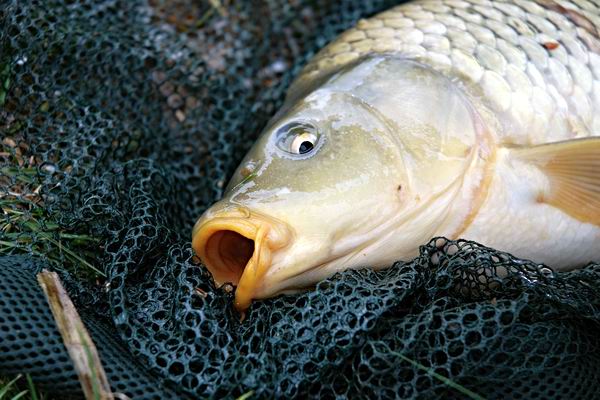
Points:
x=19 y=395
x=246 y=395
x=72 y=254
x=32 y=389
x=5 y=390
x=470 y=394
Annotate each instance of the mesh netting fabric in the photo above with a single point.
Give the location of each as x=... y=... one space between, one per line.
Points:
x=31 y=343
x=121 y=121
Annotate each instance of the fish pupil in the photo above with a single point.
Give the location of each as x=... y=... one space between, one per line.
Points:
x=305 y=147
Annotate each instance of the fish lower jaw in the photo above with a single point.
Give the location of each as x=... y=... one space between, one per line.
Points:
x=291 y=280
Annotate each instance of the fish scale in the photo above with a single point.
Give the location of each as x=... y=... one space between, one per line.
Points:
x=520 y=56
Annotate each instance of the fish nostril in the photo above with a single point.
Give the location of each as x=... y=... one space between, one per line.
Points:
x=227 y=254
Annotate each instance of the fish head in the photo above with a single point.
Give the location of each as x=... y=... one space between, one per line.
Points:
x=332 y=175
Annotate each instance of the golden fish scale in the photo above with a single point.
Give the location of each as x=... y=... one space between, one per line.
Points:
x=535 y=64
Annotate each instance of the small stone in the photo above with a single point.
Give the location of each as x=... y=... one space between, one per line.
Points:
x=21 y=60
x=175 y=101
x=198 y=71
x=191 y=102
x=49 y=168
x=166 y=89
x=9 y=142
x=182 y=91
x=278 y=66
x=180 y=115
x=158 y=76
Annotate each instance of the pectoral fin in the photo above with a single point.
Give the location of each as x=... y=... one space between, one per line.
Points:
x=573 y=168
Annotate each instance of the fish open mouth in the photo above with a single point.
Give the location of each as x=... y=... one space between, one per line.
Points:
x=227 y=254
x=236 y=246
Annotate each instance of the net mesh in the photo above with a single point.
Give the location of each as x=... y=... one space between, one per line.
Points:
x=121 y=121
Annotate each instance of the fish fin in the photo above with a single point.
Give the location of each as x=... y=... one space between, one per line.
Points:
x=573 y=168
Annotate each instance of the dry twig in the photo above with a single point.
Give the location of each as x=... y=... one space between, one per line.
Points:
x=76 y=339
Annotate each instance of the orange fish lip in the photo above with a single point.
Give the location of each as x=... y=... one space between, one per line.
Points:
x=236 y=245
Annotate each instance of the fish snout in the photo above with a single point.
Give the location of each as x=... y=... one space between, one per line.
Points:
x=236 y=245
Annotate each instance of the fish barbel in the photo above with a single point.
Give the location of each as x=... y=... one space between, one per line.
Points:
x=474 y=119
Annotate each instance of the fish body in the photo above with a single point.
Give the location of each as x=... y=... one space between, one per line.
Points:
x=466 y=119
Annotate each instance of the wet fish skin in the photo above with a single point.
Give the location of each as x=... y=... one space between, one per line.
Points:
x=536 y=64
x=533 y=70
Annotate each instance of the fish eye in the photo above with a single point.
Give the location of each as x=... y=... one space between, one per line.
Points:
x=298 y=138
x=303 y=143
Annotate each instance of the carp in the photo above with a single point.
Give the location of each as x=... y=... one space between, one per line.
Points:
x=474 y=119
